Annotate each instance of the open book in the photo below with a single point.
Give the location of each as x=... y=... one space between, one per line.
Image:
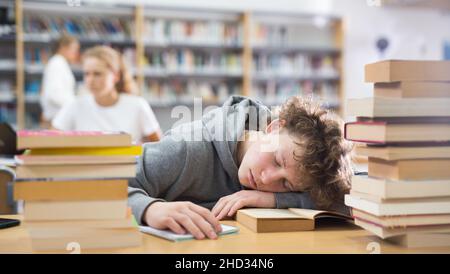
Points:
x=283 y=220
x=171 y=236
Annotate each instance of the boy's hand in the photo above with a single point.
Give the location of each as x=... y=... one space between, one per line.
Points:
x=228 y=205
x=181 y=217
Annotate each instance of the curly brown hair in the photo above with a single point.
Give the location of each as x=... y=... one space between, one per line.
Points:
x=324 y=163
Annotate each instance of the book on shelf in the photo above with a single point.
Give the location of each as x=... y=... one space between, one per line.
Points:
x=415 y=89
x=85 y=171
x=37 y=55
x=387 y=132
x=394 y=189
x=6 y=88
x=71 y=190
x=399 y=107
x=96 y=28
x=291 y=35
x=32 y=87
x=75 y=210
x=172 y=236
x=411 y=169
x=6 y=64
x=283 y=220
x=294 y=65
x=200 y=32
x=188 y=61
x=419 y=206
x=391 y=153
x=60 y=139
x=266 y=35
x=407 y=70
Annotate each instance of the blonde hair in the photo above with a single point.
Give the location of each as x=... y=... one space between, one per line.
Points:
x=63 y=41
x=114 y=60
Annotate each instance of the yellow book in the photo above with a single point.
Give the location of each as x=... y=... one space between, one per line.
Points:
x=103 y=151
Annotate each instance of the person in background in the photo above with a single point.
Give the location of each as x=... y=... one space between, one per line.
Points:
x=112 y=104
x=58 y=83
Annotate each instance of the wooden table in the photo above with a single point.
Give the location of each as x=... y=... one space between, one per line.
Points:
x=330 y=237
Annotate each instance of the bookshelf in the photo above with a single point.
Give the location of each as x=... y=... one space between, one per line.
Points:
x=190 y=53
x=177 y=54
x=295 y=54
x=7 y=63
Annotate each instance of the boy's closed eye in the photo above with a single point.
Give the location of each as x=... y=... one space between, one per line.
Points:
x=280 y=161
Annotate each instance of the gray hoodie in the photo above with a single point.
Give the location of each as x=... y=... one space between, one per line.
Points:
x=196 y=161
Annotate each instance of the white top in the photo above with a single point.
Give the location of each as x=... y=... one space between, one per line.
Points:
x=58 y=86
x=131 y=114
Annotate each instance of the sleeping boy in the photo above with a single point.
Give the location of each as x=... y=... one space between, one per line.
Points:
x=240 y=155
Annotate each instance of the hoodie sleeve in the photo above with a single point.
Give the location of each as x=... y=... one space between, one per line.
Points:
x=157 y=170
x=293 y=199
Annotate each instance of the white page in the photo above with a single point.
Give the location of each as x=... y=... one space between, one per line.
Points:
x=169 y=235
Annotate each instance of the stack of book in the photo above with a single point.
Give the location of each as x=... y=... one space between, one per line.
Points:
x=74 y=188
x=405 y=129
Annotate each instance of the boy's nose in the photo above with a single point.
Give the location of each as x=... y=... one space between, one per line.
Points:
x=269 y=176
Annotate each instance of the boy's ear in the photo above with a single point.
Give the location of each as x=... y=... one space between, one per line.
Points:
x=276 y=125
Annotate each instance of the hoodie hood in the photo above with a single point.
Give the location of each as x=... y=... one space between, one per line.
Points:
x=225 y=127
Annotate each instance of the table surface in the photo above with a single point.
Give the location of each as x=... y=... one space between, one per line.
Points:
x=329 y=237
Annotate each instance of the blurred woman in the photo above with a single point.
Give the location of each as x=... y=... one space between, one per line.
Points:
x=112 y=104
x=58 y=84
